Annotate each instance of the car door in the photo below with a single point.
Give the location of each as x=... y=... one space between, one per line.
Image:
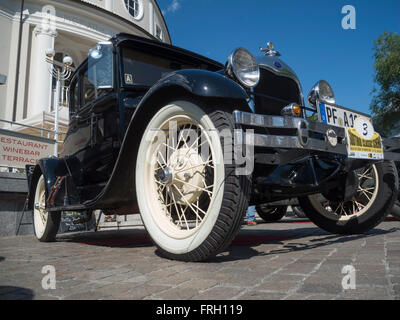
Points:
x=91 y=145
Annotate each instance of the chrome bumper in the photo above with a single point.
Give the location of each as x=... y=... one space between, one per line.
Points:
x=311 y=135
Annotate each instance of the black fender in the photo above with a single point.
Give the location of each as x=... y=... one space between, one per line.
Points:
x=200 y=84
x=51 y=168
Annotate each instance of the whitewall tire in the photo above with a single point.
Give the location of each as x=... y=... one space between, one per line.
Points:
x=190 y=201
x=45 y=224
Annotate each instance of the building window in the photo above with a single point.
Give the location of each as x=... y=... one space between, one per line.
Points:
x=158 y=32
x=134 y=8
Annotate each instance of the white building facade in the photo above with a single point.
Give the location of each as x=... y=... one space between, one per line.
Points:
x=69 y=27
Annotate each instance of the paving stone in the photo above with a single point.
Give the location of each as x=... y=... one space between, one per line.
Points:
x=187 y=290
x=305 y=264
x=218 y=293
x=260 y=295
x=371 y=293
x=272 y=286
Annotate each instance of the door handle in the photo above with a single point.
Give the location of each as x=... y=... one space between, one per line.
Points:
x=76 y=117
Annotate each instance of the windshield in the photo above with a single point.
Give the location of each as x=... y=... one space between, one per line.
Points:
x=145 y=69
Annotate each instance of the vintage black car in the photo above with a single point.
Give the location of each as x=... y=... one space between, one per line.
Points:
x=190 y=143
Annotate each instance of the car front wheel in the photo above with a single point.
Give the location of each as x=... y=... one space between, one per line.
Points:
x=45 y=223
x=371 y=202
x=191 y=201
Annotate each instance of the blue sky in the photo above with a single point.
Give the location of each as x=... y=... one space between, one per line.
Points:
x=308 y=33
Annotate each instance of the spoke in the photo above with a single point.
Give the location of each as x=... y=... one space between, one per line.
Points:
x=176 y=208
x=168 y=205
x=187 y=136
x=199 y=145
x=160 y=185
x=197 y=206
x=336 y=210
x=162 y=158
x=184 y=216
x=168 y=146
x=367 y=190
x=194 y=186
x=196 y=166
x=359 y=205
x=342 y=209
x=369 y=199
x=205 y=184
x=190 y=205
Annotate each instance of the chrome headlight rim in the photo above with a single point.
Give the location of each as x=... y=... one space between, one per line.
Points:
x=240 y=76
x=321 y=92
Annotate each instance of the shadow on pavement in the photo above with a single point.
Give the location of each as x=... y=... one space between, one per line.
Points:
x=15 y=293
x=242 y=246
x=2 y=259
x=245 y=250
x=110 y=238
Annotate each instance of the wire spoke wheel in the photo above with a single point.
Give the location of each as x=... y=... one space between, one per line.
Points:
x=45 y=224
x=369 y=199
x=182 y=170
x=365 y=196
x=191 y=202
x=40 y=215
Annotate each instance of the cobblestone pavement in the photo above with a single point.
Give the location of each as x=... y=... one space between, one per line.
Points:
x=291 y=259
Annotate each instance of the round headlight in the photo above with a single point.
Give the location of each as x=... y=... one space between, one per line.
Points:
x=243 y=66
x=322 y=92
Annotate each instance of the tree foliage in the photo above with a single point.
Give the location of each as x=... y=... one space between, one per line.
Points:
x=385 y=104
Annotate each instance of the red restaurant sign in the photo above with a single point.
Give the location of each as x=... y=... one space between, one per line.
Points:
x=18 y=149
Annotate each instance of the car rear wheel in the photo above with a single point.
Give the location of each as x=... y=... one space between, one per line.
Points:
x=45 y=223
x=271 y=214
x=376 y=191
x=191 y=202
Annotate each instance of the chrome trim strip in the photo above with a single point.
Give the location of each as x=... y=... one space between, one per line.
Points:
x=287 y=142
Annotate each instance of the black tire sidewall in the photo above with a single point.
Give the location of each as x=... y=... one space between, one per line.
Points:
x=387 y=194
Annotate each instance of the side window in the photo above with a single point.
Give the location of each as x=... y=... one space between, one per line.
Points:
x=74 y=102
x=98 y=74
x=88 y=91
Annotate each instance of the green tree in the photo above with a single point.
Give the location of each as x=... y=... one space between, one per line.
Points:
x=385 y=104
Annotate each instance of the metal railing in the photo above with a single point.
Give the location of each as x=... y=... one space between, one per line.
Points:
x=31 y=127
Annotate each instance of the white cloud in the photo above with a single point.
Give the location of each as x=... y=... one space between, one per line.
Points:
x=174 y=6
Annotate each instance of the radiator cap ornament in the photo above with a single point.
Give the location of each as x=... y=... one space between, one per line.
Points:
x=269 y=50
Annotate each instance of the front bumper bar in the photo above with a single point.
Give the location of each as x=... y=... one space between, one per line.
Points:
x=311 y=135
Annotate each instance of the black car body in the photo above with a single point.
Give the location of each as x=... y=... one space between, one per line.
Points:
x=113 y=99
